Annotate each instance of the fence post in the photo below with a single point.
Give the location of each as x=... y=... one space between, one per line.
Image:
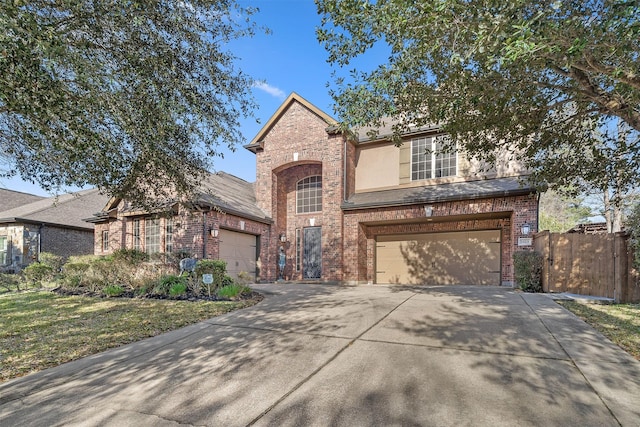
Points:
x=621 y=268
x=541 y=245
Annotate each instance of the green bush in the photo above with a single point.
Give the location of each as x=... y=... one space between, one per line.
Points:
x=37 y=273
x=130 y=256
x=73 y=274
x=215 y=267
x=528 y=271
x=233 y=291
x=10 y=282
x=52 y=260
x=166 y=283
x=178 y=289
x=113 y=290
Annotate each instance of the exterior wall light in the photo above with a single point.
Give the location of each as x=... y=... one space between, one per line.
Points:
x=283 y=237
x=526 y=229
x=428 y=210
x=214 y=232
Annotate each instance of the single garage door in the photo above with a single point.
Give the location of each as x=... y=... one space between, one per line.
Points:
x=455 y=258
x=239 y=251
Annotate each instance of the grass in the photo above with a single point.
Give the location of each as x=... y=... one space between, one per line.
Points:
x=40 y=329
x=618 y=322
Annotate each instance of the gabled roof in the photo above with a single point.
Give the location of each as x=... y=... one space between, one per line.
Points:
x=66 y=210
x=256 y=142
x=468 y=190
x=385 y=131
x=230 y=194
x=12 y=199
x=219 y=190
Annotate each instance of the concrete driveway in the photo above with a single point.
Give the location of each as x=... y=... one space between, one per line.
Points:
x=352 y=356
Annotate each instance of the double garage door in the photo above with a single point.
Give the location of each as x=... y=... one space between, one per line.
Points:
x=452 y=258
x=239 y=251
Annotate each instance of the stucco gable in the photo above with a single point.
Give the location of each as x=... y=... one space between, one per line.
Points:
x=257 y=142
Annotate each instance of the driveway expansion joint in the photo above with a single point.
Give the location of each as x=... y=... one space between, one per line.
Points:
x=571 y=359
x=325 y=364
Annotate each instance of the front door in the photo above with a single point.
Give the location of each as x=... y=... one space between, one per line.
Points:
x=312 y=253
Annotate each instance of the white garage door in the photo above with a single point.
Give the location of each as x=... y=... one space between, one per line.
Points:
x=456 y=258
x=239 y=251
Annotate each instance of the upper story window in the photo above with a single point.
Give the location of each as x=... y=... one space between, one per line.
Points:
x=430 y=158
x=309 y=195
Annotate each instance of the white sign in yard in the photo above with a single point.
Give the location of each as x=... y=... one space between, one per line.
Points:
x=207 y=279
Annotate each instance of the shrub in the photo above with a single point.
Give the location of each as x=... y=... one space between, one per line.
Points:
x=73 y=274
x=178 y=289
x=244 y=278
x=36 y=273
x=10 y=282
x=166 y=283
x=130 y=256
x=215 y=267
x=52 y=260
x=233 y=291
x=528 y=271
x=113 y=290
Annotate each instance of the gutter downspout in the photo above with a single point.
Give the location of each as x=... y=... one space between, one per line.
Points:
x=204 y=235
x=344 y=173
x=40 y=241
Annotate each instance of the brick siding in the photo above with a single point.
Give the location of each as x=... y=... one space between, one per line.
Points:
x=508 y=214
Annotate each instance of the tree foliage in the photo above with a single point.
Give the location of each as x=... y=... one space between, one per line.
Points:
x=551 y=81
x=130 y=96
x=559 y=213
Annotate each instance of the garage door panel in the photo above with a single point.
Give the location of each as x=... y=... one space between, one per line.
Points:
x=439 y=258
x=239 y=251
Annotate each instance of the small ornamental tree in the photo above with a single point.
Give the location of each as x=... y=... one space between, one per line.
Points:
x=528 y=271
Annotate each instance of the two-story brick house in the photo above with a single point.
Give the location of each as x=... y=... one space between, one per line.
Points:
x=360 y=210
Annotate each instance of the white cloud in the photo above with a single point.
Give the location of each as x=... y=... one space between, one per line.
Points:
x=271 y=90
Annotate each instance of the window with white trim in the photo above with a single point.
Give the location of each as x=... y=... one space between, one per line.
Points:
x=137 y=243
x=105 y=241
x=4 y=250
x=432 y=158
x=309 y=194
x=152 y=235
x=168 y=236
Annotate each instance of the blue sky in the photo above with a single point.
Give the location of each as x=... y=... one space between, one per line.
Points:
x=288 y=60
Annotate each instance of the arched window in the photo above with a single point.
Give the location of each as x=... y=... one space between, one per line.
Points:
x=309 y=195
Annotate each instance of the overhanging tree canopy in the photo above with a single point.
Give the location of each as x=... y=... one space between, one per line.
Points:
x=557 y=83
x=132 y=97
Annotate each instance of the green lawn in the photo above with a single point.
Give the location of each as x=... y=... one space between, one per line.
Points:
x=619 y=322
x=40 y=329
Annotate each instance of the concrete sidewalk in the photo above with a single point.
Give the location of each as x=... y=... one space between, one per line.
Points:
x=368 y=355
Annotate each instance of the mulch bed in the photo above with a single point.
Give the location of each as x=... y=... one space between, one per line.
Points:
x=254 y=296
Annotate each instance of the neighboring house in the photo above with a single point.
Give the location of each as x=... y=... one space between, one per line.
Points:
x=352 y=210
x=31 y=224
x=590 y=228
x=222 y=222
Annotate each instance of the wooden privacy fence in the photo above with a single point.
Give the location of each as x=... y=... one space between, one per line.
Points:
x=588 y=264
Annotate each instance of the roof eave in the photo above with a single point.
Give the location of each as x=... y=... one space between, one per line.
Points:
x=346 y=206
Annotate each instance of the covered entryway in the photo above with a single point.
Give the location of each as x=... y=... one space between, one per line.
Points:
x=451 y=258
x=239 y=251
